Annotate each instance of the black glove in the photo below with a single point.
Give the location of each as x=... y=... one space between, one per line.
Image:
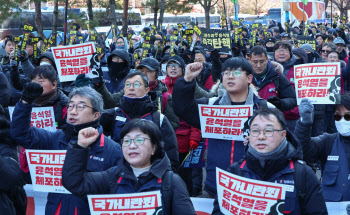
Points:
x=22 y=56
x=306 y=111
x=275 y=101
x=31 y=91
x=214 y=55
x=13 y=63
x=82 y=81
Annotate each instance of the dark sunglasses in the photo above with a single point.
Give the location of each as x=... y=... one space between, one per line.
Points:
x=326 y=51
x=338 y=117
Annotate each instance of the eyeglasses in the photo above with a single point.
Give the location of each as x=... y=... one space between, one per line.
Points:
x=326 y=51
x=338 y=117
x=138 y=141
x=79 y=107
x=173 y=65
x=235 y=73
x=135 y=85
x=282 y=51
x=268 y=132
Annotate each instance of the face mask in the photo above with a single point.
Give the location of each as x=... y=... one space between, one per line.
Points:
x=224 y=59
x=119 y=47
x=343 y=127
x=310 y=58
x=117 y=69
x=299 y=61
x=269 y=49
x=44 y=63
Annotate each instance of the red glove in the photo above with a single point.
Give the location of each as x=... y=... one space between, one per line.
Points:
x=193 y=144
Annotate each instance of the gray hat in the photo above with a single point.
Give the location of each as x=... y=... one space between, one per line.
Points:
x=339 y=40
x=151 y=63
x=307 y=46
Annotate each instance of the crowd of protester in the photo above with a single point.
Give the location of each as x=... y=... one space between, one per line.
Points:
x=141 y=117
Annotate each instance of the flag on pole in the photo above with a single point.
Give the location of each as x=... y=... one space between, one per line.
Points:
x=304 y=1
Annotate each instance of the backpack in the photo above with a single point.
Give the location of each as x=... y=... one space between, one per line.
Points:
x=167 y=191
x=299 y=180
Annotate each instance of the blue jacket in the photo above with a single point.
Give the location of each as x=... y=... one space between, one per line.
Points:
x=113 y=86
x=331 y=151
x=282 y=170
x=221 y=153
x=35 y=138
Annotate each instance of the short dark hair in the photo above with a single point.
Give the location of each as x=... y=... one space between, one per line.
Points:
x=258 y=50
x=333 y=52
x=44 y=71
x=270 y=111
x=143 y=76
x=238 y=62
x=344 y=101
x=146 y=127
x=8 y=39
x=275 y=29
x=283 y=44
x=330 y=45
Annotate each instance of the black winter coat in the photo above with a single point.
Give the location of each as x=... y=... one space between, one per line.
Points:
x=80 y=182
x=11 y=180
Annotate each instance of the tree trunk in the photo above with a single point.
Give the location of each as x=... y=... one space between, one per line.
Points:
x=207 y=16
x=125 y=17
x=38 y=21
x=112 y=14
x=89 y=6
x=54 y=23
x=156 y=8
x=161 y=15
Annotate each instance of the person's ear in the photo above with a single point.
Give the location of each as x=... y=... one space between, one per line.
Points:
x=284 y=134
x=250 y=78
x=97 y=115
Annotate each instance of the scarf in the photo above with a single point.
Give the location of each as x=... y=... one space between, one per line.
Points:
x=262 y=157
x=170 y=82
x=259 y=78
x=71 y=131
x=153 y=85
x=137 y=107
x=44 y=98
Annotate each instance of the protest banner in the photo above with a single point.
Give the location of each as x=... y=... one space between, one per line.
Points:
x=196 y=157
x=45 y=168
x=304 y=39
x=147 y=203
x=240 y=195
x=319 y=82
x=224 y=122
x=216 y=39
x=74 y=60
x=41 y=117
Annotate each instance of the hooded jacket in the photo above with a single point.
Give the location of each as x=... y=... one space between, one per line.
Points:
x=120 y=179
x=113 y=83
x=36 y=138
x=282 y=170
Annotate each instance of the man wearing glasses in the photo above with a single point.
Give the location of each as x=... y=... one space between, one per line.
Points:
x=326 y=49
x=332 y=150
x=136 y=103
x=83 y=110
x=340 y=47
x=273 y=154
x=236 y=77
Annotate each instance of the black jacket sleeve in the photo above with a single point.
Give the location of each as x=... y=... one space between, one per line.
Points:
x=181 y=201
x=286 y=94
x=185 y=106
x=314 y=148
x=77 y=180
x=5 y=90
x=170 y=142
x=314 y=202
